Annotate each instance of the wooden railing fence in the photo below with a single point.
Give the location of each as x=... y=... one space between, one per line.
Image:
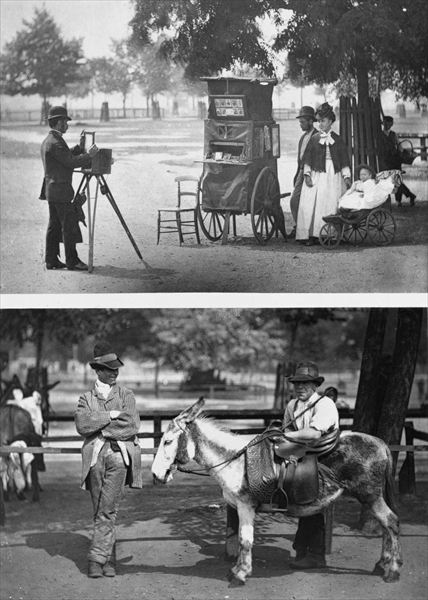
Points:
x=407 y=475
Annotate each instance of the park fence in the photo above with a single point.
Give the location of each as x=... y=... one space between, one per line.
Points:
x=95 y=114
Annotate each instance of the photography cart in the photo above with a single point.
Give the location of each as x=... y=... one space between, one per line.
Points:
x=241 y=148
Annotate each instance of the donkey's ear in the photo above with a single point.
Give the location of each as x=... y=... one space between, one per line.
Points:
x=190 y=414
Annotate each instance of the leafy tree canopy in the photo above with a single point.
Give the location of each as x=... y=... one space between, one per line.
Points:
x=326 y=40
x=38 y=60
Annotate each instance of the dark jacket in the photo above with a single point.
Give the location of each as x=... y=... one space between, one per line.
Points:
x=315 y=153
x=300 y=160
x=59 y=162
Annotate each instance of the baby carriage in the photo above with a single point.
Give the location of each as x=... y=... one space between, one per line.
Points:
x=353 y=226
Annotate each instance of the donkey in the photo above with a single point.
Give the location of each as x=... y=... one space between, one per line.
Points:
x=361 y=464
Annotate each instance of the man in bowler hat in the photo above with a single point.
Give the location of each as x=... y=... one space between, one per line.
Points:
x=307 y=119
x=321 y=417
x=108 y=420
x=59 y=161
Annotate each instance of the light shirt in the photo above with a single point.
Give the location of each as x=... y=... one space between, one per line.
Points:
x=305 y=142
x=103 y=388
x=322 y=416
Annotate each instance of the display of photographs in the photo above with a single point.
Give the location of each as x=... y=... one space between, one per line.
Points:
x=232 y=106
x=276 y=147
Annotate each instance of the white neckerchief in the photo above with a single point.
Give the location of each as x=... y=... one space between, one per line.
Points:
x=326 y=139
x=56 y=131
x=103 y=388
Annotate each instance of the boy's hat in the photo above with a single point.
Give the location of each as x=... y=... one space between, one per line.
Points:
x=105 y=357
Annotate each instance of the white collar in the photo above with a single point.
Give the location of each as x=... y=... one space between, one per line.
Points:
x=103 y=388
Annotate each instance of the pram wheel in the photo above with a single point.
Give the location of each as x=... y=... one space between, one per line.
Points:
x=355 y=233
x=381 y=227
x=330 y=235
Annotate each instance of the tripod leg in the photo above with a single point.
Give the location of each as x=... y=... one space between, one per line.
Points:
x=121 y=219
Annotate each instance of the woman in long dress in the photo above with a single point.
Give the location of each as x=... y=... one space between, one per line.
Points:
x=327 y=176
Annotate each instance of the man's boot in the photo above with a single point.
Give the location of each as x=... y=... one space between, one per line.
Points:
x=301 y=553
x=109 y=569
x=95 y=569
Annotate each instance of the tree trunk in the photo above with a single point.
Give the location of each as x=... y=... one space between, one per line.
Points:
x=397 y=399
x=124 y=106
x=362 y=77
x=367 y=411
x=40 y=333
x=279 y=398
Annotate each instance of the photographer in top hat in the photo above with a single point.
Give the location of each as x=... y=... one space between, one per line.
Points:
x=107 y=418
x=320 y=418
x=307 y=119
x=59 y=161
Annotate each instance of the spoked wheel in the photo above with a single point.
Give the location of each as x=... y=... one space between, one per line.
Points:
x=355 y=233
x=330 y=235
x=381 y=227
x=265 y=195
x=212 y=223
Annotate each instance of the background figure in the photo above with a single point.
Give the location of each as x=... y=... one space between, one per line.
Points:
x=107 y=417
x=306 y=118
x=326 y=169
x=392 y=159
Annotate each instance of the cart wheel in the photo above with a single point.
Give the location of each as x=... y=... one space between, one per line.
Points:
x=355 y=233
x=381 y=227
x=212 y=223
x=330 y=235
x=265 y=194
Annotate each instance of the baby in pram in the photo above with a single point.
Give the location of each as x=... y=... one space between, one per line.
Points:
x=369 y=190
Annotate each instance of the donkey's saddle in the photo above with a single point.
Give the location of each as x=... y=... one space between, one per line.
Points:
x=282 y=471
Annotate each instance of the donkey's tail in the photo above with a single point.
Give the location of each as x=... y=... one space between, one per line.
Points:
x=390 y=497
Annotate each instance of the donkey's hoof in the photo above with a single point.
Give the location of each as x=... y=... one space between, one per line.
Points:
x=235 y=582
x=378 y=570
x=392 y=576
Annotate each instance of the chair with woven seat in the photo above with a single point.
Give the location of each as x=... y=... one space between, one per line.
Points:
x=170 y=220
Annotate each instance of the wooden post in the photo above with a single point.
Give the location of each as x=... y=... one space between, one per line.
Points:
x=2 y=507
x=407 y=477
x=329 y=521
x=232 y=533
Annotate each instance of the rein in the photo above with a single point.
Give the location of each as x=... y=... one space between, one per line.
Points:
x=254 y=442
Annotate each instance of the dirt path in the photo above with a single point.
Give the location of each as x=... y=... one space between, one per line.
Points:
x=143 y=180
x=171 y=547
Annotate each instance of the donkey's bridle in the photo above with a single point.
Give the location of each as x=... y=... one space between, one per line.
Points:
x=266 y=434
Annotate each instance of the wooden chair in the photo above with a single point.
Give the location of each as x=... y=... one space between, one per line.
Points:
x=170 y=220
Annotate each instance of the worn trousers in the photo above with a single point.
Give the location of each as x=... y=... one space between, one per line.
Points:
x=310 y=535
x=106 y=481
x=62 y=227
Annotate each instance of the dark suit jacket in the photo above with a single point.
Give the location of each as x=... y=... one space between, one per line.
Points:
x=299 y=160
x=59 y=162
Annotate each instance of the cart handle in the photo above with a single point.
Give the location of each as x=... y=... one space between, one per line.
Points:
x=285 y=195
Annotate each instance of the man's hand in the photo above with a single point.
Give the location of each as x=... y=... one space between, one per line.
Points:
x=93 y=150
x=114 y=414
x=308 y=181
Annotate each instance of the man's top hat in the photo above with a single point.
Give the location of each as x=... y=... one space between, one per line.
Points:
x=105 y=357
x=56 y=112
x=307 y=112
x=307 y=371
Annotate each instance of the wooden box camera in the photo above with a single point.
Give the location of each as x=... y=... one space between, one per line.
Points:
x=101 y=162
